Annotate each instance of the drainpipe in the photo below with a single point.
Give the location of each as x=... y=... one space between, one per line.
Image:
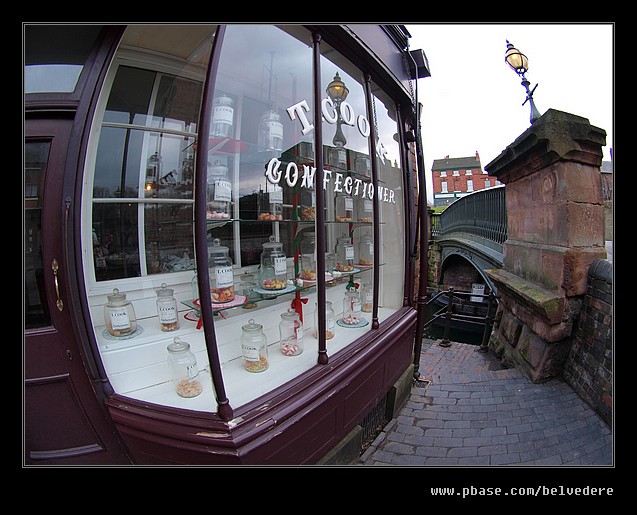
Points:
x=421 y=302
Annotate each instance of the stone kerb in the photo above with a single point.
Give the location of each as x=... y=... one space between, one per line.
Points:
x=555 y=218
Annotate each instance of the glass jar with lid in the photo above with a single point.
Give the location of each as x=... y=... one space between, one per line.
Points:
x=273 y=265
x=270 y=203
x=352 y=306
x=221 y=273
x=291 y=331
x=183 y=368
x=365 y=251
x=330 y=262
x=308 y=257
x=344 y=254
x=308 y=204
x=344 y=208
x=254 y=347
x=119 y=314
x=364 y=210
x=330 y=320
x=167 y=309
x=222 y=117
x=367 y=297
x=219 y=194
x=270 y=131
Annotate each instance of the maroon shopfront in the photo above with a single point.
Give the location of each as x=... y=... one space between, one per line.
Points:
x=272 y=167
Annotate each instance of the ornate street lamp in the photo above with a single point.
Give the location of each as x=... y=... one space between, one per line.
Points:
x=520 y=65
x=337 y=91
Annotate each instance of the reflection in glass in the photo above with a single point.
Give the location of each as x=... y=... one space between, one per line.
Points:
x=36 y=307
x=263 y=70
x=146 y=153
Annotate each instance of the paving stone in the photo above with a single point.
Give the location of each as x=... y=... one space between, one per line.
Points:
x=474 y=413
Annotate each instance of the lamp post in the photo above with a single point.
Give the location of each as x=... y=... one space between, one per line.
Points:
x=337 y=91
x=520 y=65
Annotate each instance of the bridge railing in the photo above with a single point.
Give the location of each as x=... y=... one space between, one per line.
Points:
x=482 y=214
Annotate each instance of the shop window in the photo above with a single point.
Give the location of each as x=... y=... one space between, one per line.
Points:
x=261 y=196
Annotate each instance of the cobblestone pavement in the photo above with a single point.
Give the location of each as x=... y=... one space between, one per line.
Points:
x=467 y=410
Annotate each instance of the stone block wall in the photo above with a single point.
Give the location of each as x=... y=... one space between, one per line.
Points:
x=555 y=223
x=589 y=367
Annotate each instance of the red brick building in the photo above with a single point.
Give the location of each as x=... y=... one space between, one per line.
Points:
x=454 y=177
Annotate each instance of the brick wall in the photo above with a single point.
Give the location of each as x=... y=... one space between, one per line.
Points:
x=589 y=367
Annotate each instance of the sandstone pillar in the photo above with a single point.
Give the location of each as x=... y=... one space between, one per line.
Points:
x=555 y=221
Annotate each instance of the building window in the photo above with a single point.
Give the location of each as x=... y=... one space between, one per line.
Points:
x=443 y=174
x=487 y=183
x=138 y=232
x=468 y=172
x=456 y=173
x=469 y=185
x=443 y=185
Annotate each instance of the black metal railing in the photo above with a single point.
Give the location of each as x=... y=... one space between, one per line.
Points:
x=456 y=300
x=482 y=214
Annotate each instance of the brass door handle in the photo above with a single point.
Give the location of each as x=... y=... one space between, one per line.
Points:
x=54 y=267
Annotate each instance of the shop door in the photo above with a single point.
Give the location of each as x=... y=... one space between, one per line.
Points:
x=63 y=423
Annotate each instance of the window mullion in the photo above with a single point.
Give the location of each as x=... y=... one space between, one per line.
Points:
x=376 y=202
x=320 y=199
x=224 y=409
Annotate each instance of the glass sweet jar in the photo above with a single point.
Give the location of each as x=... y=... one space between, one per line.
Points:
x=291 y=332
x=344 y=208
x=119 y=315
x=220 y=272
x=222 y=117
x=167 y=309
x=254 y=347
x=183 y=368
x=270 y=204
x=270 y=131
x=273 y=266
x=367 y=297
x=308 y=257
x=364 y=210
x=330 y=320
x=344 y=254
x=219 y=194
x=352 y=306
x=365 y=251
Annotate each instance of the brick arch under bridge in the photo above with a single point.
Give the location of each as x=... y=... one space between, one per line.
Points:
x=463 y=263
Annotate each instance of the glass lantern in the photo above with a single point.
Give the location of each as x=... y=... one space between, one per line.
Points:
x=273 y=266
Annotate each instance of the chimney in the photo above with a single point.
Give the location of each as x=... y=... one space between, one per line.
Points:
x=477 y=156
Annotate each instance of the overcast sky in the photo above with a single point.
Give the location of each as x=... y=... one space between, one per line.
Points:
x=473 y=99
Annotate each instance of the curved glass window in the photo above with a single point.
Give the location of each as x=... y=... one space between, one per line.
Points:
x=261 y=205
